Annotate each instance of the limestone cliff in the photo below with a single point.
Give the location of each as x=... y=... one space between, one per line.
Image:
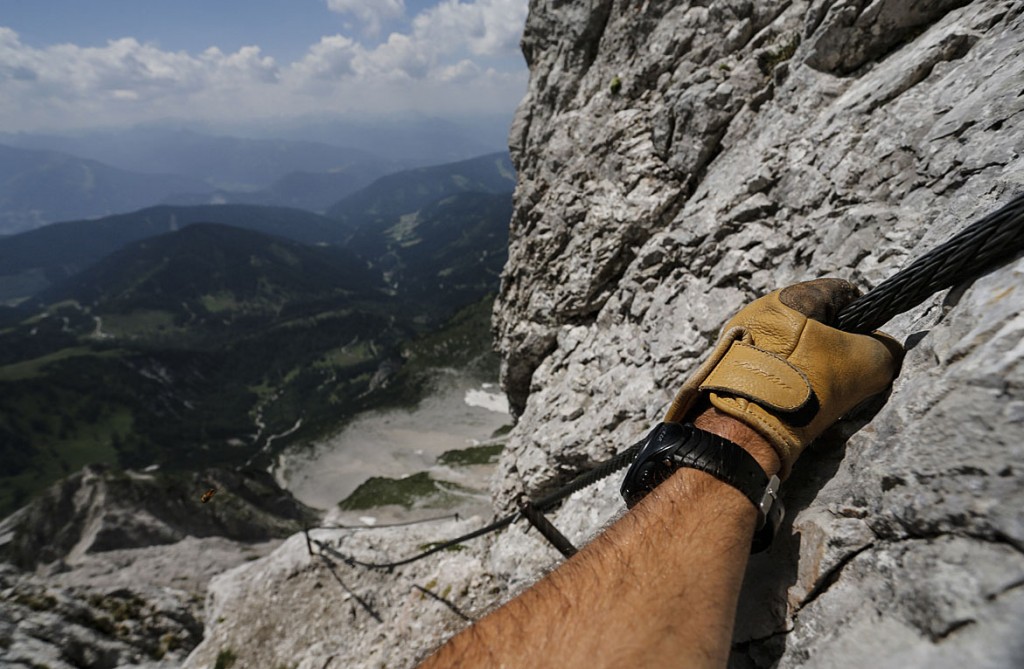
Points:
x=676 y=160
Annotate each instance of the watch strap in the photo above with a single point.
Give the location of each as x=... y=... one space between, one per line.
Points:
x=725 y=460
x=672 y=446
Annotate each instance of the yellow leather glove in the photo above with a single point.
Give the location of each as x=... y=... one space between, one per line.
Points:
x=781 y=370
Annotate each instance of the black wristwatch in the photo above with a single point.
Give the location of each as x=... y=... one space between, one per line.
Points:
x=672 y=446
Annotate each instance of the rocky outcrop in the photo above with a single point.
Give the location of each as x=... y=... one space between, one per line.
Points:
x=109 y=569
x=99 y=510
x=43 y=625
x=676 y=160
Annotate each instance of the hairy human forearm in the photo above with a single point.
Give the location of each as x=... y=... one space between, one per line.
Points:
x=660 y=585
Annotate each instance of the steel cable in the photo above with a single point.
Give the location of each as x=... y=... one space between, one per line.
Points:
x=436 y=548
x=602 y=470
x=972 y=251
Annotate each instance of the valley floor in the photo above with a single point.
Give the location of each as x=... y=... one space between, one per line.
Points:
x=144 y=605
x=462 y=412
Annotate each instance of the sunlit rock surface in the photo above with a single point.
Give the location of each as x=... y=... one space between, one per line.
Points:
x=676 y=161
x=109 y=569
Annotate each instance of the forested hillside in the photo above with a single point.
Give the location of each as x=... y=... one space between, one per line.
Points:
x=194 y=336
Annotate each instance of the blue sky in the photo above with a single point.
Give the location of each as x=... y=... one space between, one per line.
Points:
x=75 y=63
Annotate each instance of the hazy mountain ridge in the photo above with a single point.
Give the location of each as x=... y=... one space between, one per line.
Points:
x=308 y=167
x=43 y=180
x=413 y=140
x=218 y=160
x=218 y=268
x=312 y=191
x=404 y=192
x=31 y=260
x=40 y=187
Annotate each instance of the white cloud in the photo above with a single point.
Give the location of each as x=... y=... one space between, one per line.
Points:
x=485 y=27
x=400 y=57
x=124 y=80
x=329 y=59
x=126 y=65
x=15 y=63
x=246 y=64
x=442 y=37
x=372 y=13
x=454 y=56
x=464 y=70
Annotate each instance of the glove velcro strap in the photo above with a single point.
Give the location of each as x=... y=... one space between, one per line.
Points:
x=688 y=394
x=762 y=377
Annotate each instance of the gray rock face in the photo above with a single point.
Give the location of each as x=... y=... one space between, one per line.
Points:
x=113 y=566
x=676 y=161
x=97 y=510
x=63 y=627
x=748 y=146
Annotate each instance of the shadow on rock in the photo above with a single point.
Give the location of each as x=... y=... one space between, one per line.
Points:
x=763 y=617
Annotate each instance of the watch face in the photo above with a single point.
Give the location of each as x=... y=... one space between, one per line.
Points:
x=670 y=446
x=653 y=464
x=649 y=476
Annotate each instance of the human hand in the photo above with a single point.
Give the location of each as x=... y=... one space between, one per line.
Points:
x=779 y=368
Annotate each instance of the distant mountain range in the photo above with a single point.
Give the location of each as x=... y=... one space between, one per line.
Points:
x=32 y=260
x=209 y=273
x=408 y=140
x=47 y=178
x=364 y=195
x=312 y=191
x=407 y=191
x=39 y=187
x=215 y=335
x=234 y=163
x=412 y=140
